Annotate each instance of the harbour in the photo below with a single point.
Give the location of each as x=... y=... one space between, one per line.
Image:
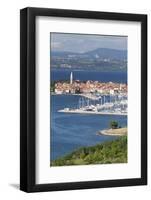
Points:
x=100 y=105
x=79 y=111
x=74 y=119
x=96 y=97
x=70 y=131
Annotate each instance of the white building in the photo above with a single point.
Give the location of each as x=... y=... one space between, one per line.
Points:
x=111 y=91
x=57 y=91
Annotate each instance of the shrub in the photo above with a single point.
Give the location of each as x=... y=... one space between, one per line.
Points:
x=113 y=124
x=108 y=152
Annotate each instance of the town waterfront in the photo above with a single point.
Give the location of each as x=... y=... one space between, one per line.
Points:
x=71 y=131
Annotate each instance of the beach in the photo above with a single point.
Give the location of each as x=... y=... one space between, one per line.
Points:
x=112 y=132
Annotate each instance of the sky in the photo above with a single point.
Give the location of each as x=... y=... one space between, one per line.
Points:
x=82 y=43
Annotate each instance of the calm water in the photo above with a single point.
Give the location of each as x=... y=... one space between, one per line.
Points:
x=119 y=77
x=71 y=131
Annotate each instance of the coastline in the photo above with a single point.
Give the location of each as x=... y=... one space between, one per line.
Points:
x=113 y=132
x=102 y=153
x=79 y=111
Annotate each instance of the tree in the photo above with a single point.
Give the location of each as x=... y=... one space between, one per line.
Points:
x=113 y=124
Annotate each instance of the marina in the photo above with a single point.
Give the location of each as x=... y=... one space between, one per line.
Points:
x=101 y=105
x=72 y=130
x=100 y=101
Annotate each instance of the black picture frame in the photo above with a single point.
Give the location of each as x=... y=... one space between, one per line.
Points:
x=28 y=99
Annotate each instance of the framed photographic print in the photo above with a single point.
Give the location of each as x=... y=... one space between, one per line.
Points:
x=83 y=99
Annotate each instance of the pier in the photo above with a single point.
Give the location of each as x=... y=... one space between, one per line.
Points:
x=103 y=105
x=79 y=111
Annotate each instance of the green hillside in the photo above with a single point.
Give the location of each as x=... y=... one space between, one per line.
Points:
x=104 y=153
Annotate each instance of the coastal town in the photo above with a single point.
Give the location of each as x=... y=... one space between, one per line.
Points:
x=96 y=97
x=87 y=87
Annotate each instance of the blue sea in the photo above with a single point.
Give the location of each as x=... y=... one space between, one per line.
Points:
x=71 y=131
x=119 y=77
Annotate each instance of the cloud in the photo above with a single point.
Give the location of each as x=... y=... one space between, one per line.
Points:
x=84 y=42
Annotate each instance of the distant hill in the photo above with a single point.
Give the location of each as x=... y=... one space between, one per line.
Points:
x=63 y=53
x=100 y=52
x=108 y=152
x=99 y=59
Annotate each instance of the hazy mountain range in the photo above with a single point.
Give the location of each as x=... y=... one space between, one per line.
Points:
x=103 y=59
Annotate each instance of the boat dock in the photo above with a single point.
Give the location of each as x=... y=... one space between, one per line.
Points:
x=104 y=105
x=80 y=111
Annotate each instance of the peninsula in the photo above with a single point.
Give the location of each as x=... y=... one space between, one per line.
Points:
x=114 y=132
